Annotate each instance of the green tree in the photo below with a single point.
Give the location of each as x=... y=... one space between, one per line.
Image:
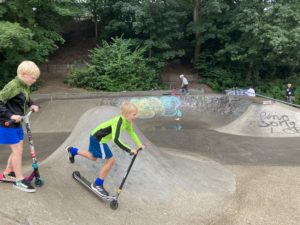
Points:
x=160 y=26
x=253 y=40
x=115 y=67
x=30 y=30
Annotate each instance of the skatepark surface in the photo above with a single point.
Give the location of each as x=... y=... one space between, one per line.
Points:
x=209 y=159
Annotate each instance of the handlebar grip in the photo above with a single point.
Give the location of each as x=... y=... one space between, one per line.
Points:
x=7 y=123
x=139 y=149
x=37 y=106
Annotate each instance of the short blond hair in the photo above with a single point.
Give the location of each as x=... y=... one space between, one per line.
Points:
x=28 y=68
x=128 y=107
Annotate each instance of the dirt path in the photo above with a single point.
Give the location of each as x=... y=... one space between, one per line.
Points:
x=54 y=83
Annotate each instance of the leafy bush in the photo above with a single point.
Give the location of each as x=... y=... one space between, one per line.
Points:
x=220 y=79
x=115 y=67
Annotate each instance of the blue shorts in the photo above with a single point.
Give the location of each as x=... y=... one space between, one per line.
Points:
x=99 y=150
x=9 y=135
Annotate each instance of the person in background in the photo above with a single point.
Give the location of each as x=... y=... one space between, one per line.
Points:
x=184 y=84
x=290 y=94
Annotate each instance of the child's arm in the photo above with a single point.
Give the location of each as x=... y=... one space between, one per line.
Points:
x=116 y=134
x=135 y=138
x=8 y=92
x=133 y=135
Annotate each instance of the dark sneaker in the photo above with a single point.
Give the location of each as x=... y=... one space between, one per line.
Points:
x=70 y=156
x=24 y=185
x=10 y=177
x=100 y=189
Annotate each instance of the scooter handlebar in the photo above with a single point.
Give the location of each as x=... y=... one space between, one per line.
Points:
x=9 y=122
x=139 y=149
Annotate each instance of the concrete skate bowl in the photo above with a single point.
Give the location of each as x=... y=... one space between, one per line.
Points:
x=229 y=130
x=163 y=188
x=181 y=178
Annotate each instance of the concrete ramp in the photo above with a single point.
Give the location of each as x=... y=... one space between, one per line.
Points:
x=164 y=187
x=275 y=120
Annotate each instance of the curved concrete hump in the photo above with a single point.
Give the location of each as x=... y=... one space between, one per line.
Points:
x=275 y=120
x=153 y=166
x=162 y=185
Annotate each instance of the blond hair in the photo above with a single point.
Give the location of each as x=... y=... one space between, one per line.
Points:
x=28 y=68
x=128 y=107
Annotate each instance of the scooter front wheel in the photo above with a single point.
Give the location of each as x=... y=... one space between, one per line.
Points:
x=114 y=204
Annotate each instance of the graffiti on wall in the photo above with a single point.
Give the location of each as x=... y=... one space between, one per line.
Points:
x=150 y=107
x=173 y=106
x=278 y=123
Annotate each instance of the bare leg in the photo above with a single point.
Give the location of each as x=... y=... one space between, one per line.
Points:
x=86 y=154
x=9 y=167
x=16 y=159
x=106 y=168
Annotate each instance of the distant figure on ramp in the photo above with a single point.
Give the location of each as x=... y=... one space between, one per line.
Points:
x=101 y=135
x=184 y=84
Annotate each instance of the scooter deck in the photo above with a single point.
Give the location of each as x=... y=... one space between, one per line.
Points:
x=87 y=184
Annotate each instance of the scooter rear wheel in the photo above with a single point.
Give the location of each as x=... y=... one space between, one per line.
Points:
x=39 y=182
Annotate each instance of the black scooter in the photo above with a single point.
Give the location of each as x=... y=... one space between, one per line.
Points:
x=112 y=199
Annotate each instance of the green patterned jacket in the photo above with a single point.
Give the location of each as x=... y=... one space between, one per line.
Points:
x=14 y=100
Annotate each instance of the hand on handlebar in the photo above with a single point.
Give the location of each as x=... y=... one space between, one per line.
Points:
x=34 y=108
x=16 y=118
x=13 y=119
x=135 y=151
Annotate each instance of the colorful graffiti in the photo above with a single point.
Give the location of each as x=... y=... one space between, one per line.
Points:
x=150 y=107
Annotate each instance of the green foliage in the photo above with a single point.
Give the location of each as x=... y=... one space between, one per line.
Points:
x=242 y=43
x=15 y=42
x=12 y=36
x=29 y=30
x=220 y=79
x=275 y=91
x=160 y=27
x=249 y=43
x=122 y=17
x=115 y=67
x=157 y=26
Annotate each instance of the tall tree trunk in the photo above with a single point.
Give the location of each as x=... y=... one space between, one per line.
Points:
x=96 y=28
x=196 y=17
x=95 y=18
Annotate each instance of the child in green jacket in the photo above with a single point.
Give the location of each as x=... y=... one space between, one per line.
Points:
x=14 y=102
x=103 y=133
